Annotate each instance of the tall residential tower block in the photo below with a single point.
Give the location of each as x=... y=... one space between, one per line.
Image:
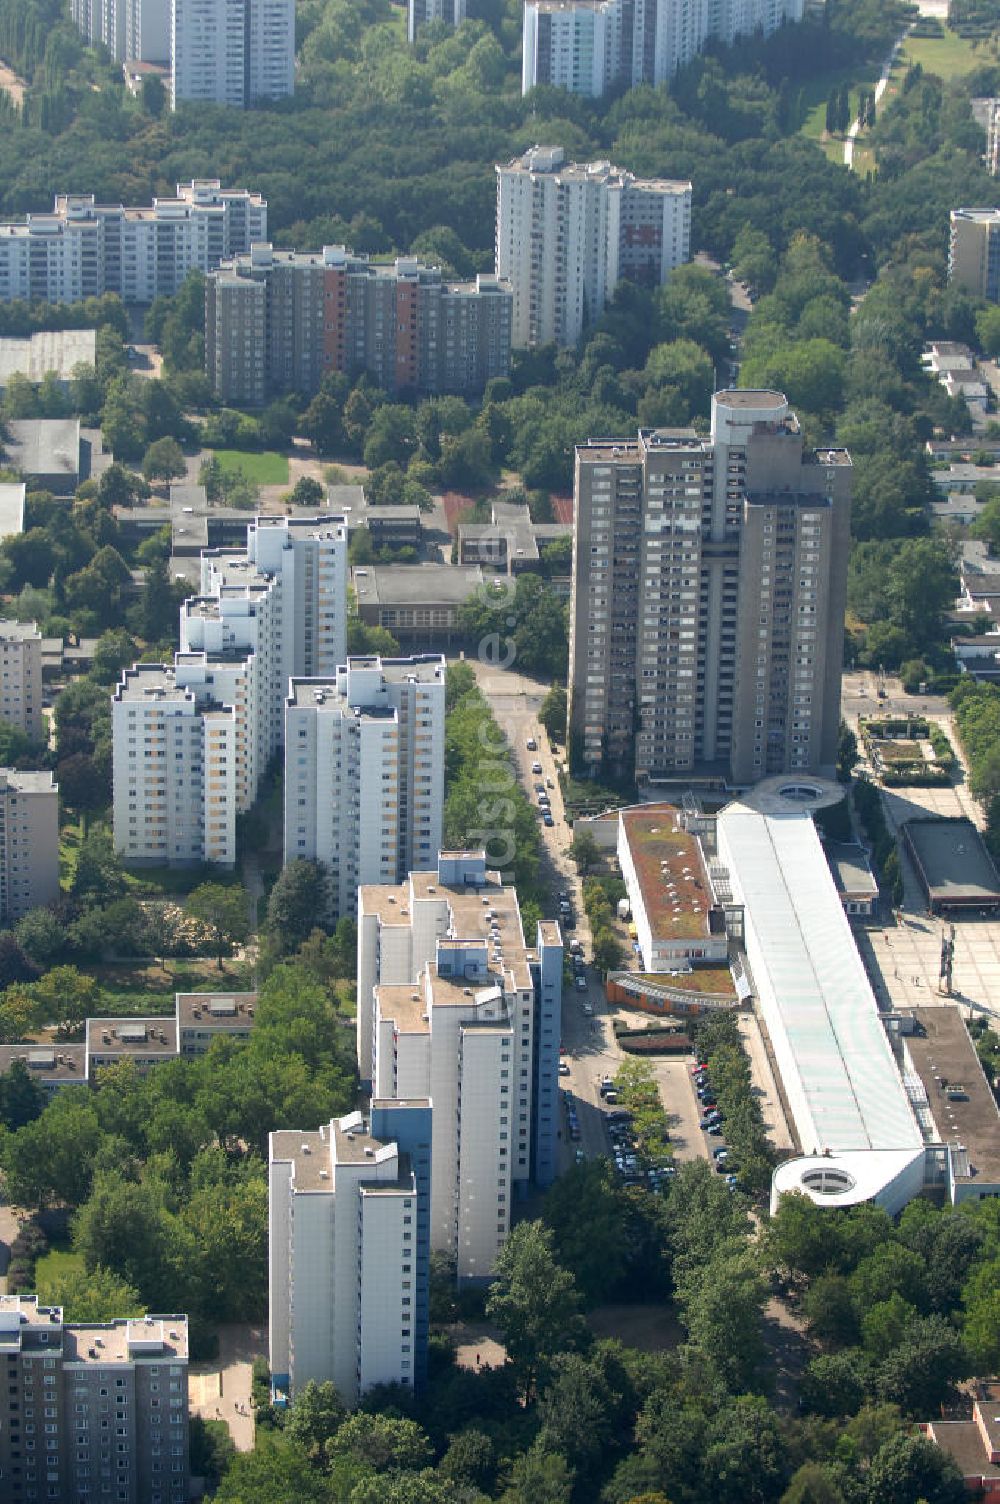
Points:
x=708 y=597
x=83 y=249
x=454 y=1006
x=567 y=233
x=349 y=1252
x=192 y=740
x=364 y=771
x=278 y=321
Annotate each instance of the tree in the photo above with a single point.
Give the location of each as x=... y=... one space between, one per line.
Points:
x=277 y=1471
x=534 y=1302
x=745 y=1455
x=909 y=1468
x=154 y=96
x=40 y=935
x=298 y=899
x=164 y=460
x=584 y=850
x=99 y=878
x=307 y=492
x=157 y=610
x=97 y=1296
x=49 y=1159
x=554 y=712
x=847 y=753
x=383 y=1441
x=316 y=1417
x=114 y=651
x=538 y=1477
x=225 y=912
x=15 y=965
x=812 y=1484
x=21 y=1099
x=607 y=951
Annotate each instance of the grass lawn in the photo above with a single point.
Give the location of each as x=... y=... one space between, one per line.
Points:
x=58 y=1264
x=267 y=468
x=947 y=56
x=817 y=92
x=70 y=837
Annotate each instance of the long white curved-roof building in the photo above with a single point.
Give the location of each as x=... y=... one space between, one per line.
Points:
x=860 y=1137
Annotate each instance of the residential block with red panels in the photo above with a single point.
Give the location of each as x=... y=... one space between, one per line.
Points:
x=278 y=321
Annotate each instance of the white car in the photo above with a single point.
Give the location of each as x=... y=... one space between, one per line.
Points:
x=588 y=1009
x=563 y=1068
x=536 y=767
x=531 y=744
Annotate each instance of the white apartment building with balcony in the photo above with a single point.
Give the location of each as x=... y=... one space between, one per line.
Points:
x=29 y=842
x=455 y=1007
x=422 y=12
x=348 y=1266
x=83 y=249
x=590 y=46
x=364 y=771
x=174 y=751
x=21 y=678
x=567 y=233
x=131 y=30
x=232 y=52
x=191 y=741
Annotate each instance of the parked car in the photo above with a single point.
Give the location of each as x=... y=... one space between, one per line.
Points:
x=581 y=984
x=588 y=1009
x=581 y=1158
x=547 y=818
x=715 y=1129
x=536 y=767
x=563 y=1068
x=531 y=744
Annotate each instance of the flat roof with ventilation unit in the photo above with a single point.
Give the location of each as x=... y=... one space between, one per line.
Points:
x=954 y=868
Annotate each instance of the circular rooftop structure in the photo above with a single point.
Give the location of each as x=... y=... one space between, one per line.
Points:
x=790 y=793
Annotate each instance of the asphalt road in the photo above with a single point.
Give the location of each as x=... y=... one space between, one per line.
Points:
x=589 y=1043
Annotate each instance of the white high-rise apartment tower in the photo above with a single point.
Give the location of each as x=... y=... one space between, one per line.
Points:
x=567 y=233
x=131 y=30
x=364 y=771
x=422 y=12
x=21 y=677
x=235 y=52
x=348 y=1252
x=29 y=842
x=192 y=740
x=590 y=46
x=454 y=1006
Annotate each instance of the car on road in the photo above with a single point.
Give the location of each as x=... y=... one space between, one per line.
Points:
x=539 y=788
x=531 y=744
x=588 y=1010
x=536 y=767
x=568 y=921
x=581 y=1158
x=576 y=948
x=547 y=818
x=581 y=984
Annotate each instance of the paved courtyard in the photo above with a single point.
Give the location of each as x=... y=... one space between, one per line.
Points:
x=904 y=959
